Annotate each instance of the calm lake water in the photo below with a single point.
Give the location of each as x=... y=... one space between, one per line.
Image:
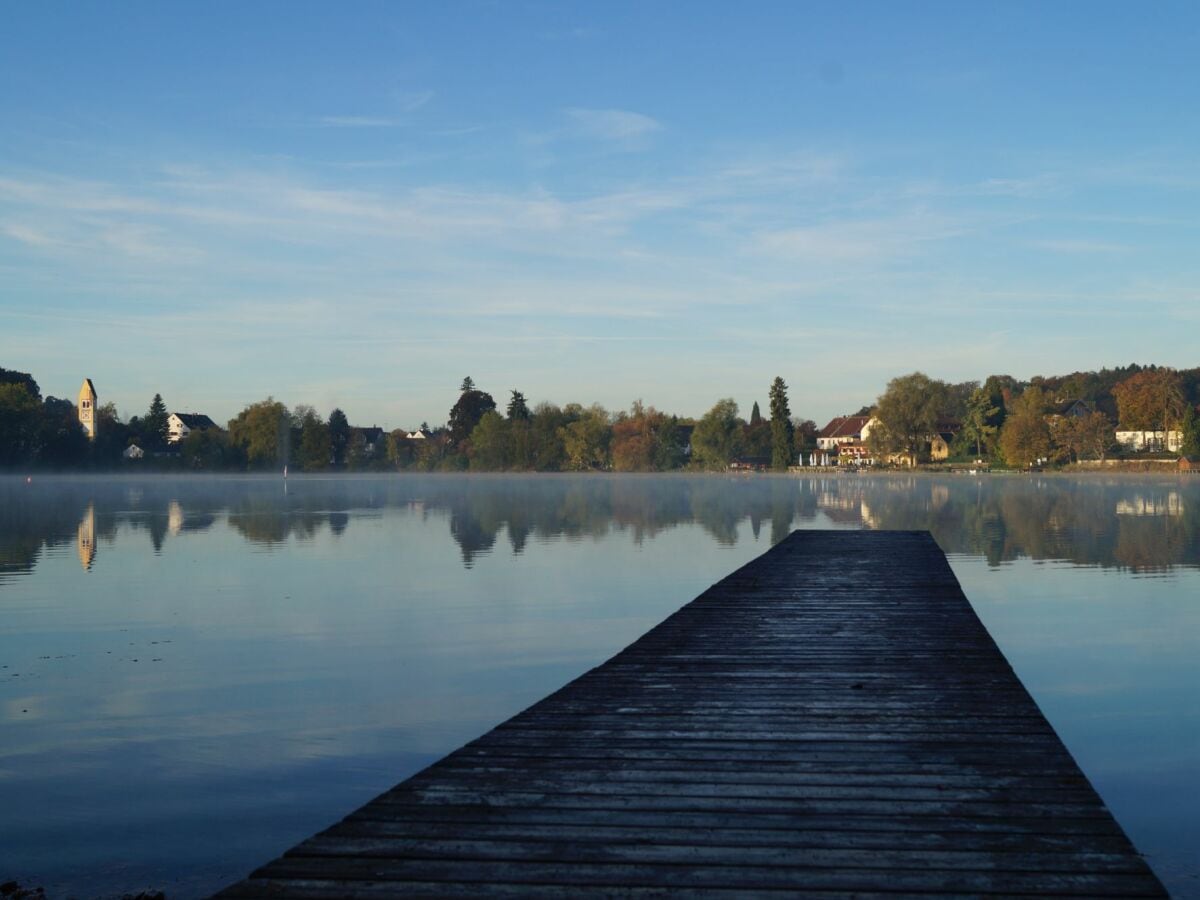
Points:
x=197 y=673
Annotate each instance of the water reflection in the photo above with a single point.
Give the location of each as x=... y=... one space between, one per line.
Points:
x=87 y=538
x=1139 y=524
x=254 y=659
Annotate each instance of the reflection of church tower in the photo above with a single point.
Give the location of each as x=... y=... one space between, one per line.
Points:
x=87 y=537
x=87 y=408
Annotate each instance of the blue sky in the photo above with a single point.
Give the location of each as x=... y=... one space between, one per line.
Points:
x=359 y=204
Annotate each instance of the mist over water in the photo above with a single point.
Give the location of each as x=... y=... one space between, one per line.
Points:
x=198 y=673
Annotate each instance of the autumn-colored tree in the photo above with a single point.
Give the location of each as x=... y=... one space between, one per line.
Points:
x=1150 y=401
x=1082 y=437
x=644 y=440
x=1025 y=437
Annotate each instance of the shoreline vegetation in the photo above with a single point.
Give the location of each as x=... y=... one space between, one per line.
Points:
x=1067 y=423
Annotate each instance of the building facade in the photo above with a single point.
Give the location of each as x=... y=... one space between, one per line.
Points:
x=88 y=400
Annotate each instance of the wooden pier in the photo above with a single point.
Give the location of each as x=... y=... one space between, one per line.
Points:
x=832 y=719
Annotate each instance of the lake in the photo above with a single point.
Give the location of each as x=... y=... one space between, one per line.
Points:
x=197 y=673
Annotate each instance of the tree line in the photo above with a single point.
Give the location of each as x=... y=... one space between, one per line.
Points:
x=1001 y=419
x=1056 y=420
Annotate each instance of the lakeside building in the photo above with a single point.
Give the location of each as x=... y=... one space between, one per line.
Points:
x=1151 y=440
x=844 y=430
x=87 y=408
x=180 y=425
x=845 y=440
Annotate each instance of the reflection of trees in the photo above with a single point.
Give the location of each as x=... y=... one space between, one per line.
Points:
x=28 y=525
x=1136 y=523
x=1072 y=519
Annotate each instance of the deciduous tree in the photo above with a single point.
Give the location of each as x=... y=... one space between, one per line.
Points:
x=1025 y=437
x=1150 y=401
x=908 y=413
x=263 y=432
x=586 y=440
x=315 y=448
x=20 y=415
x=977 y=427
x=717 y=438
x=488 y=445
x=468 y=410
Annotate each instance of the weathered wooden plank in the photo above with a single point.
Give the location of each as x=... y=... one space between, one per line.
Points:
x=684 y=853
x=600 y=875
x=831 y=719
x=722 y=836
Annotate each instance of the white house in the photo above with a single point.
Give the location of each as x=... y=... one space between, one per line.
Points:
x=133 y=451
x=1150 y=440
x=418 y=435
x=844 y=430
x=180 y=425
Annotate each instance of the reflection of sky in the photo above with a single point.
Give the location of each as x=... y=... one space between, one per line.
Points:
x=173 y=716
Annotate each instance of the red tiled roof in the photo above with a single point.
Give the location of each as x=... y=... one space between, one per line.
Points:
x=844 y=426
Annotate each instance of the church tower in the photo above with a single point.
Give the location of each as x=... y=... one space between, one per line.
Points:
x=87 y=408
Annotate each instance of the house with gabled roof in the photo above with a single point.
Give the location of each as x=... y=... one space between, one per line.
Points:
x=1071 y=409
x=180 y=425
x=843 y=430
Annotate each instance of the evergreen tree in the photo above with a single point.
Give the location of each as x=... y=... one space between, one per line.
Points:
x=755 y=415
x=339 y=436
x=517 y=409
x=468 y=384
x=1191 y=432
x=781 y=426
x=155 y=422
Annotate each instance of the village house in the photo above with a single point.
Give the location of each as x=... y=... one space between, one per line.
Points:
x=749 y=464
x=1071 y=409
x=1139 y=441
x=180 y=425
x=372 y=440
x=844 y=430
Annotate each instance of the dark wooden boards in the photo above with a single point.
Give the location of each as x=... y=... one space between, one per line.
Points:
x=832 y=719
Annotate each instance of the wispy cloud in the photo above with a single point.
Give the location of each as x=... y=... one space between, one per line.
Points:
x=357 y=122
x=403 y=103
x=1071 y=245
x=618 y=125
x=835 y=243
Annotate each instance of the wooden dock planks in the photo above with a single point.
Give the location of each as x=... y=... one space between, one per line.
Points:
x=832 y=719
